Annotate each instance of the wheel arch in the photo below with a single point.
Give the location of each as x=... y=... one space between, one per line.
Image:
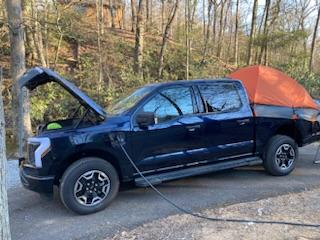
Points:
x=98 y=153
x=290 y=130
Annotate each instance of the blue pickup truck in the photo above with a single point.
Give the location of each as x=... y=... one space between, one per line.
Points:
x=170 y=130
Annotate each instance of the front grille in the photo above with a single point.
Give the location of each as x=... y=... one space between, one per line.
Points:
x=32 y=147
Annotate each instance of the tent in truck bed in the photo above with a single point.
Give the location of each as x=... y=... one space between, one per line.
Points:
x=274 y=93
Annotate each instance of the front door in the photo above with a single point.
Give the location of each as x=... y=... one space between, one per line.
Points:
x=176 y=135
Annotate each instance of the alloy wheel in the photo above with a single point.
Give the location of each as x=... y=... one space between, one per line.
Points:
x=92 y=188
x=285 y=156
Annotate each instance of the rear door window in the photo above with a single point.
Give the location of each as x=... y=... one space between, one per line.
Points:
x=170 y=103
x=220 y=97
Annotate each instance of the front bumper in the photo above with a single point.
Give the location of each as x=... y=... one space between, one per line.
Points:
x=32 y=181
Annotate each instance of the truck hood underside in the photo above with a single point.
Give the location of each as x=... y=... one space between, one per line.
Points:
x=38 y=76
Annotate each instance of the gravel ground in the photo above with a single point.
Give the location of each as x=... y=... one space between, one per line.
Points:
x=13 y=174
x=297 y=207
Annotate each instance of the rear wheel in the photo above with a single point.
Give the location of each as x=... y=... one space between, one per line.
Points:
x=89 y=185
x=280 y=156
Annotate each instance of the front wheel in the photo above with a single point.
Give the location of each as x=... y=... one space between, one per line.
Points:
x=89 y=185
x=280 y=156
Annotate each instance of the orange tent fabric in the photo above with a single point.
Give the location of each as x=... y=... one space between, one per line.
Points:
x=269 y=86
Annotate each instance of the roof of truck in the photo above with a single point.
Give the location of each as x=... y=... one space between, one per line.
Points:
x=192 y=81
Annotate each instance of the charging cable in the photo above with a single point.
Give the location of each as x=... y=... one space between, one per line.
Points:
x=215 y=219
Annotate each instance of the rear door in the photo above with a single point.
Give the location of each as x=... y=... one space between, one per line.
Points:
x=229 y=123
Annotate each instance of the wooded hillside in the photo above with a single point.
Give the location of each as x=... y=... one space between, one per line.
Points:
x=108 y=47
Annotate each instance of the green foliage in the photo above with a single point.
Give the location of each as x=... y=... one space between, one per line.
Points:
x=50 y=102
x=280 y=39
x=310 y=80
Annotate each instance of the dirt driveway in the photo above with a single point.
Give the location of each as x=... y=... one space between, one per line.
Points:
x=296 y=207
x=35 y=218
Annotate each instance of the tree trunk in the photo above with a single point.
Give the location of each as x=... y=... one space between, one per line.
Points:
x=204 y=19
x=314 y=37
x=111 y=7
x=20 y=101
x=56 y=55
x=224 y=27
x=123 y=16
x=220 y=28
x=147 y=14
x=38 y=34
x=4 y=213
x=46 y=32
x=214 y=24
x=256 y=57
x=133 y=15
x=252 y=31
x=187 y=30
x=99 y=10
x=31 y=55
x=236 y=36
x=207 y=35
x=193 y=12
x=265 y=32
x=166 y=37
x=162 y=16
x=138 y=51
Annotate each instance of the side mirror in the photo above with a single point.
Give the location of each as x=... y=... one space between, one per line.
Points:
x=145 y=119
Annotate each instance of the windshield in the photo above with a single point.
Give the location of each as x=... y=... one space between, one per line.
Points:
x=127 y=103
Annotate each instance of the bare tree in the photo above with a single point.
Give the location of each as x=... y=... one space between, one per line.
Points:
x=111 y=7
x=236 y=35
x=207 y=30
x=20 y=101
x=187 y=30
x=37 y=34
x=166 y=36
x=100 y=27
x=139 y=43
x=147 y=14
x=204 y=18
x=215 y=18
x=133 y=15
x=252 y=31
x=313 y=43
x=162 y=15
x=193 y=9
x=4 y=213
x=303 y=10
x=221 y=27
x=28 y=23
x=46 y=30
x=265 y=31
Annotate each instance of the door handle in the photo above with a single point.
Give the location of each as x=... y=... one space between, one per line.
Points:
x=243 y=121
x=193 y=128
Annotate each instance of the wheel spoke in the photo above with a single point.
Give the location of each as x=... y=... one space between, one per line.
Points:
x=92 y=188
x=285 y=156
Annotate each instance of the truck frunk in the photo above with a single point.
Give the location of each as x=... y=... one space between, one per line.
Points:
x=171 y=130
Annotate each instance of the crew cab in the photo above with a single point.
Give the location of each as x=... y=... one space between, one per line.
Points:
x=170 y=131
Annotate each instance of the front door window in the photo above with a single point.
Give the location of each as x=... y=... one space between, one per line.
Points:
x=170 y=103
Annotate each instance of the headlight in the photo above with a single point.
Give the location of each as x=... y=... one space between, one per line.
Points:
x=37 y=149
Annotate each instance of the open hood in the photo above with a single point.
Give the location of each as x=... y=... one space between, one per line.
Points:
x=38 y=76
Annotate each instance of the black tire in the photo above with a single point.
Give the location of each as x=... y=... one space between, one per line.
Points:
x=76 y=171
x=272 y=158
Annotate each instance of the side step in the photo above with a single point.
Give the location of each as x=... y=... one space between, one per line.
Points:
x=199 y=170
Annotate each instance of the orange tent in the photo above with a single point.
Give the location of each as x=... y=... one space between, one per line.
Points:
x=269 y=86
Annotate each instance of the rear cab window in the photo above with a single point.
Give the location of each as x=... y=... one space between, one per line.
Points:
x=170 y=103
x=220 y=97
